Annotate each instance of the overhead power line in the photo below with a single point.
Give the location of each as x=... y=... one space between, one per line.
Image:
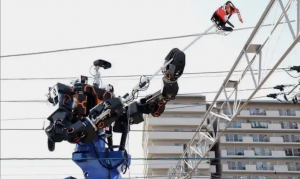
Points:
x=181 y=107
x=207 y=92
x=126 y=43
x=130 y=76
x=166 y=131
x=212 y=176
x=160 y=158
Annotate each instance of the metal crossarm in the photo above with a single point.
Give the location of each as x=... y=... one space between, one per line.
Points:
x=202 y=142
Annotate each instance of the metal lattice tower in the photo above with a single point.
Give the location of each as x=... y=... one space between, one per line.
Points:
x=200 y=145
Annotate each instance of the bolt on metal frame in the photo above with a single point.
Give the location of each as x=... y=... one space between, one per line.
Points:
x=199 y=152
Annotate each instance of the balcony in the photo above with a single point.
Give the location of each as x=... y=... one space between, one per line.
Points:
x=258 y=112
x=251 y=153
x=295 y=168
x=161 y=121
x=250 y=140
x=185 y=108
x=269 y=114
x=167 y=164
x=165 y=149
x=289 y=125
x=170 y=135
x=269 y=128
x=172 y=150
x=287 y=112
x=289 y=138
x=250 y=168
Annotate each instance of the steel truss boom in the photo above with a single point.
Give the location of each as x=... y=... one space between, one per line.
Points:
x=202 y=142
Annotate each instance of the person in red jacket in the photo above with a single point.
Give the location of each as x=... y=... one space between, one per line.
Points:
x=222 y=15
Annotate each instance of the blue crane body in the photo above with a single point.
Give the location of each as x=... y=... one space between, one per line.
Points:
x=97 y=163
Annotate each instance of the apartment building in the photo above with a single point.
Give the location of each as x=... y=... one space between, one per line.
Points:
x=263 y=142
x=165 y=136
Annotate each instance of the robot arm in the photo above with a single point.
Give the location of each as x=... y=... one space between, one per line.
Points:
x=155 y=103
x=61 y=97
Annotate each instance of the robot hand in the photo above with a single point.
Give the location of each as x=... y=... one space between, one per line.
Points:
x=175 y=69
x=60 y=97
x=105 y=113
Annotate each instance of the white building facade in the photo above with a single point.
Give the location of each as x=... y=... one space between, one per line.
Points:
x=263 y=142
x=164 y=137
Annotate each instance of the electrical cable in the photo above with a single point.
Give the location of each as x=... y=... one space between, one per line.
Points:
x=59 y=166
x=160 y=158
x=183 y=94
x=125 y=76
x=280 y=132
x=290 y=74
x=281 y=31
x=124 y=43
x=140 y=177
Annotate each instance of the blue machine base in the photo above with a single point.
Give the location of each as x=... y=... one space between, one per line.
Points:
x=97 y=162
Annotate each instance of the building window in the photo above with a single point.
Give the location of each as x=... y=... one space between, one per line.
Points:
x=237 y=177
x=227 y=111
x=289 y=125
x=262 y=152
x=260 y=138
x=293 y=166
x=259 y=124
x=177 y=103
x=264 y=166
x=236 y=166
x=234 y=137
x=263 y=177
x=235 y=151
x=289 y=177
x=287 y=112
x=288 y=151
x=235 y=124
x=292 y=152
x=291 y=138
x=194 y=103
x=178 y=144
x=258 y=112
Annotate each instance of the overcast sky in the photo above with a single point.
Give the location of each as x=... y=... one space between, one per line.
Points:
x=34 y=25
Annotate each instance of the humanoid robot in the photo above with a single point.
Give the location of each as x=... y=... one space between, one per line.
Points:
x=87 y=115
